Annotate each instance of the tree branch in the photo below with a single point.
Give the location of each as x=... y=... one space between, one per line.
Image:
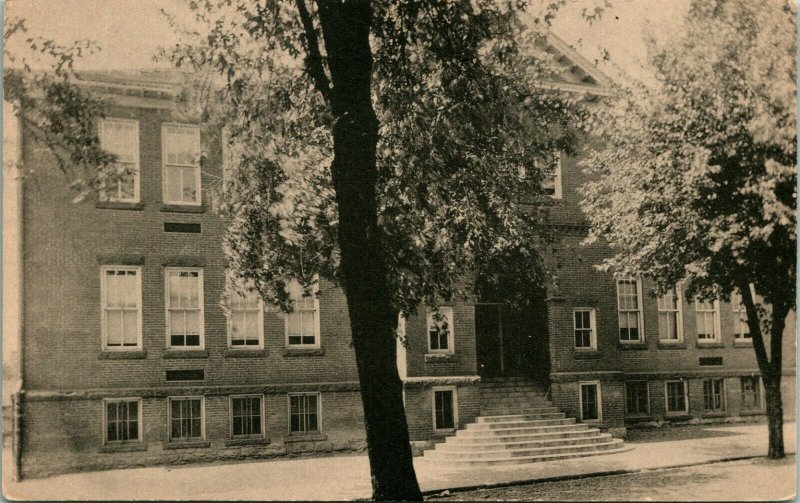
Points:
x=313 y=59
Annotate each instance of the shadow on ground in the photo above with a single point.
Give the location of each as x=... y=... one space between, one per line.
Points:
x=683 y=432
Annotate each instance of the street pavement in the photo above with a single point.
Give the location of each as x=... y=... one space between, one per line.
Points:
x=347 y=477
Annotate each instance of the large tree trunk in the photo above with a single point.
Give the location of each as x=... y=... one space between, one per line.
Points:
x=770 y=370
x=345 y=30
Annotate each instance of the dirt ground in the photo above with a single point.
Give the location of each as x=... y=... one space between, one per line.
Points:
x=756 y=479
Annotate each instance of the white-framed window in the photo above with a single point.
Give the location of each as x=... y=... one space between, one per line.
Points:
x=670 y=316
x=247 y=416
x=714 y=395
x=591 y=401
x=181 y=163
x=186 y=418
x=583 y=324
x=445 y=408
x=121 y=137
x=441 y=330
x=121 y=304
x=245 y=319
x=122 y=420
x=629 y=307
x=676 y=397
x=184 y=300
x=741 y=328
x=302 y=324
x=551 y=182
x=637 y=398
x=305 y=413
x=708 y=325
x=750 y=392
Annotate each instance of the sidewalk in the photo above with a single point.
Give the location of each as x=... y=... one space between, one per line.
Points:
x=347 y=477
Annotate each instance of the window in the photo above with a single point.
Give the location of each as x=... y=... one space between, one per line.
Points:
x=551 y=183
x=637 y=398
x=184 y=308
x=707 y=321
x=676 y=397
x=245 y=320
x=186 y=419
x=122 y=419
x=302 y=324
x=121 y=299
x=630 y=310
x=590 y=401
x=121 y=138
x=304 y=413
x=714 y=395
x=670 y=318
x=444 y=408
x=583 y=324
x=246 y=416
x=751 y=393
x=181 y=158
x=440 y=330
x=741 y=328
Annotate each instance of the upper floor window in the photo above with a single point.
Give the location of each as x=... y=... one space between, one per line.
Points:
x=302 y=324
x=441 y=330
x=245 y=320
x=629 y=306
x=181 y=158
x=121 y=299
x=670 y=316
x=184 y=308
x=551 y=182
x=121 y=138
x=707 y=313
x=583 y=325
x=741 y=328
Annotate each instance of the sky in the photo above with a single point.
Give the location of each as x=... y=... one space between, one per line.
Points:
x=130 y=31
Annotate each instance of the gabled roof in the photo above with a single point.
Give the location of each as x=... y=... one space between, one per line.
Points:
x=578 y=74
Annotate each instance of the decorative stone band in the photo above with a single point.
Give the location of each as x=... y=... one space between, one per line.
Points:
x=264 y=389
x=614 y=375
x=428 y=381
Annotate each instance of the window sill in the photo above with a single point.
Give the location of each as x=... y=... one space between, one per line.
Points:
x=183 y=208
x=185 y=353
x=742 y=344
x=234 y=442
x=133 y=354
x=711 y=345
x=441 y=358
x=714 y=414
x=314 y=437
x=118 y=205
x=633 y=346
x=187 y=445
x=245 y=353
x=110 y=448
x=672 y=345
x=586 y=354
x=303 y=351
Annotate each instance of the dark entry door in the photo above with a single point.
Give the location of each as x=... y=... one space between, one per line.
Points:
x=489 y=340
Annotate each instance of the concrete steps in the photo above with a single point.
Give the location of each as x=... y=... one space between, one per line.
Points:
x=518 y=424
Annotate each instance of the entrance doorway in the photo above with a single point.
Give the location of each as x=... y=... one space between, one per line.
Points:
x=503 y=344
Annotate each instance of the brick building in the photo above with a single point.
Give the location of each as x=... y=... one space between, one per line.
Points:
x=126 y=357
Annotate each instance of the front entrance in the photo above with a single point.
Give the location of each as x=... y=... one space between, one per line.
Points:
x=501 y=352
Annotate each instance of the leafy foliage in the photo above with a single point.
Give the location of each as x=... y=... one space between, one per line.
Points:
x=698 y=178
x=462 y=121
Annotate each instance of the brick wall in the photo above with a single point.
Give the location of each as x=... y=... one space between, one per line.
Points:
x=461 y=362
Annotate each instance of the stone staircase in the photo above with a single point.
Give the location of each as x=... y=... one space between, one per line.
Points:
x=517 y=425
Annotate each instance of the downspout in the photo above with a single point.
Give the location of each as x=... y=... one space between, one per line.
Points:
x=13 y=303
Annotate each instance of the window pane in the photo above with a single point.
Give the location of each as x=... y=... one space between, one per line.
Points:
x=114 y=329
x=173 y=176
